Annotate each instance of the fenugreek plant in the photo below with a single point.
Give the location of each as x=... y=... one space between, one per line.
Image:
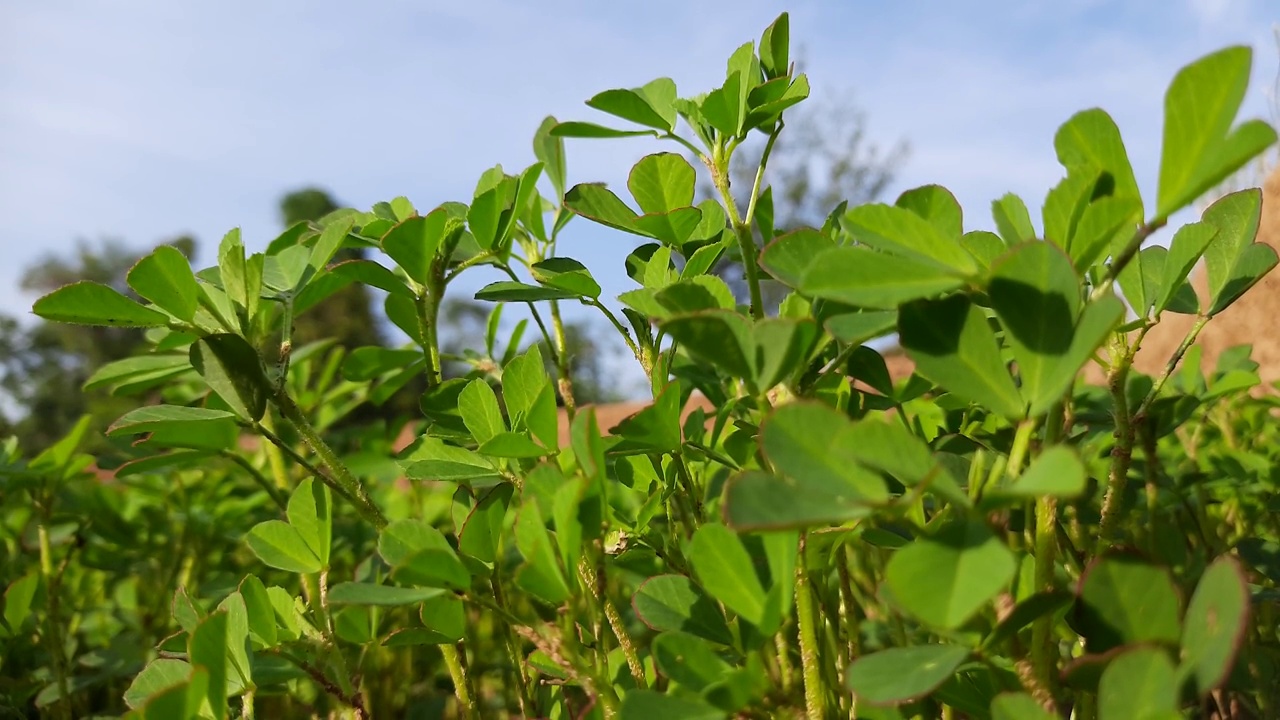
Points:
x=988 y=538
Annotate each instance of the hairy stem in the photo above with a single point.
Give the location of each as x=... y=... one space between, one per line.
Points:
x=1121 y=451
x=814 y=693
x=565 y=381
x=342 y=479
x=453 y=659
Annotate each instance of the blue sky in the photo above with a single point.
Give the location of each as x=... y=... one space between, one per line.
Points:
x=145 y=120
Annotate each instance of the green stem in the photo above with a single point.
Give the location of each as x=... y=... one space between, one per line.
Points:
x=1122 y=259
x=641 y=358
x=53 y=631
x=513 y=650
x=1122 y=450
x=453 y=660
x=342 y=481
x=814 y=696
x=1171 y=365
x=428 y=307
x=565 y=381
x=274 y=492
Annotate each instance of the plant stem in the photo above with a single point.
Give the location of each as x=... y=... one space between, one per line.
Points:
x=53 y=633
x=565 y=381
x=595 y=582
x=814 y=696
x=278 y=470
x=1121 y=451
x=343 y=481
x=1044 y=653
x=645 y=363
x=274 y=492
x=461 y=681
x=428 y=307
x=1122 y=259
x=1172 y=365
x=513 y=650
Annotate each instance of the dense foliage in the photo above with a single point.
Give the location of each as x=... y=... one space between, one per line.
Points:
x=989 y=538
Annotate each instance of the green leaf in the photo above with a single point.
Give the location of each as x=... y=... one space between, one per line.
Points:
x=436 y=567
x=207 y=648
x=902 y=232
x=594 y=202
x=363 y=593
x=444 y=616
x=1123 y=601
x=938 y=206
x=1188 y=244
x=688 y=660
x=478 y=404
x=1018 y=706
x=952 y=345
x=591 y=130
x=153 y=418
x=810 y=441
x=159 y=675
x=1213 y=630
x=775 y=46
x=1231 y=264
x=413 y=244
x=762 y=353
x=91 y=303
x=281 y=546
x=541 y=575
x=1139 y=684
x=652 y=105
x=725 y=569
x=1056 y=472
x=755 y=500
x=857 y=328
x=513 y=445
x=899 y=675
x=649 y=704
x=237 y=640
x=549 y=149
x=1200 y=150
x=674 y=602
x=655 y=428
x=1102 y=223
x=1090 y=139
x=566 y=274
x=366 y=363
x=512 y=291
x=259 y=612
x=866 y=278
x=480 y=536
x=1013 y=221
x=789 y=257
x=662 y=182
x=164 y=277
x=673 y=228
x=432 y=459
x=310 y=512
x=402 y=538
x=1036 y=294
x=1066 y=202
x=330 y=241
x=233 y=370
x=945 y=578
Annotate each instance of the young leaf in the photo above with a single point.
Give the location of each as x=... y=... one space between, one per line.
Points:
x=233 y=370
x=674 y=602
x=1215 y=625
x=725 y=569
x=91 y=303
x=279 y=545
x=662 y=182
x=899 y=675
x=775 y=46
x=164 y=277
x=1200 y=149
x=945 y=578
x=310 y=512
x=414 y=242
x=549 y=149
x=478 y=404
x=566 y=274
x=952 y=345
x=652 y=105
